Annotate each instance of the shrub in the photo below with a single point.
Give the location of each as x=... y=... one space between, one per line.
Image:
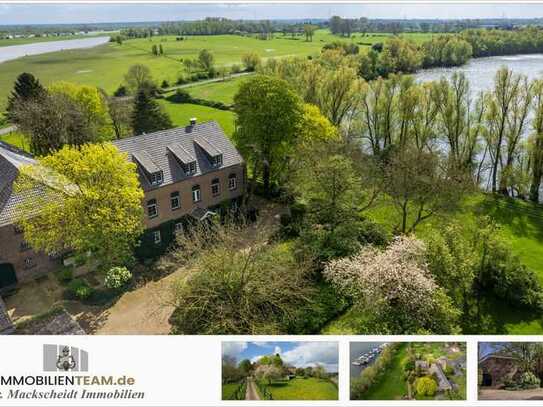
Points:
x=116 y=277
x=80 y=289
x=426 y=386
x=529 y=381
x=121 y=91
x=180 y=96
x=65 y=274
x=165 y=84
x=235 y=68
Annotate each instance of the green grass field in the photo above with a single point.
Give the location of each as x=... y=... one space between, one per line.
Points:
x=228 y=390
x=303 y=389
x=181 y=113
x=223 y=91
x=105 y=65
x=391 y=385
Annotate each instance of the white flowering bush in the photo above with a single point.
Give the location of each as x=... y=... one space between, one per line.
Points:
x=116 y=277
x=394 y=287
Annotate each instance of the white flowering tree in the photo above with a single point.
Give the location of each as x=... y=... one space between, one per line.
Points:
x=394 y=289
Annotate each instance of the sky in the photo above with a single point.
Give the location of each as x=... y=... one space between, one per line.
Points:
x=298 y=354
x=486 y=348
x=14 y=13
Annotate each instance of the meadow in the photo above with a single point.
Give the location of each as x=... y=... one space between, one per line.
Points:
x=391 y=385
x=105 y=65
x=301 y=388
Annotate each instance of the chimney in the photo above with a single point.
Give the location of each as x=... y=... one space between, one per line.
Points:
x=193 y=121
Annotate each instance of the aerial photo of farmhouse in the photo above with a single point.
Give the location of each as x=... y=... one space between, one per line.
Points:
x=408 y=371
x=280 y=371
x=384 y=167
x=510 y=370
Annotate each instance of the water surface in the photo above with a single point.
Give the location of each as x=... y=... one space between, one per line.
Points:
x=17 y=51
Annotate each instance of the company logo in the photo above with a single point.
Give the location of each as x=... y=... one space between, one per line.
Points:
x=62 y=358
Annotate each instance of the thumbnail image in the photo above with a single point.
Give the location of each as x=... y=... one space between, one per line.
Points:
x=279 y=371
x=408 y=370
x=510 y=370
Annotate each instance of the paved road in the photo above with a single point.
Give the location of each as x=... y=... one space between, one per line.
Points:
x=251 y=393
x=7 y=130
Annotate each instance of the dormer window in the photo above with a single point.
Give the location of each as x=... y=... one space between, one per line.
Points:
x=152 y=171
x=190 y=168
x=186 y=159
x=156 y=178
x=216 y=161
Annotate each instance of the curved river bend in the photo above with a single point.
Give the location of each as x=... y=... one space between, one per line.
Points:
x=17 y=51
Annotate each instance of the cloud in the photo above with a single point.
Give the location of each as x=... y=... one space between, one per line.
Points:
x=313 y=353
x=233 y=348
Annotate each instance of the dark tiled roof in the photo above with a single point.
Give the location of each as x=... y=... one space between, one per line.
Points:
x=163 y=146
x=11 y=160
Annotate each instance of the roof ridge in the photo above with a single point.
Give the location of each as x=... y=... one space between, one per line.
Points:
x=154 y=133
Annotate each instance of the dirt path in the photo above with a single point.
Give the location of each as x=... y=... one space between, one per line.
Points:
x=495 y=394
x=143 y=311
x=251 y=393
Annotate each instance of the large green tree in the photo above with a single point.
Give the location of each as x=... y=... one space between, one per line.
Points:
x=269 y=114
x=148 y=115
x=26 y=88
x=90 y=202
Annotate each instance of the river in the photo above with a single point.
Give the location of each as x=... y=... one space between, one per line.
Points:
x=481 y=71
x=357 y=349
x=17 y=51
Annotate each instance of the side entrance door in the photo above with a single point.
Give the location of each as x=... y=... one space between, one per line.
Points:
x=8 y=278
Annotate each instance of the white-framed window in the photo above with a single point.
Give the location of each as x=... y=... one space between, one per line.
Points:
x=232 y=182
x=179 y=227
x=215 y=187
x=216 y=160
x=175 y=202
x=156 y=237
x=156 y=178
x=152 y=208
x=190 y=168
x=196 y=193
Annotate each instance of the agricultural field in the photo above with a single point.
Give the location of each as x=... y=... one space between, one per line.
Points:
x=300 y=388
x=105 y=65
x=21 y=41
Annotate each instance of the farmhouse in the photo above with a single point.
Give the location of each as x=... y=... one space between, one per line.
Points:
x=496 y=369
x=186 y=173
x=18 y=262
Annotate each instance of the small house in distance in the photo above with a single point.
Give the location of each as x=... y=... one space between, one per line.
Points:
x=186 y=173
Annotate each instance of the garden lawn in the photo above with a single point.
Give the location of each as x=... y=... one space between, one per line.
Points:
x=303 y=389
x=391 y=385
x=228 y=390
x=181 y=113
x=105 y=65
